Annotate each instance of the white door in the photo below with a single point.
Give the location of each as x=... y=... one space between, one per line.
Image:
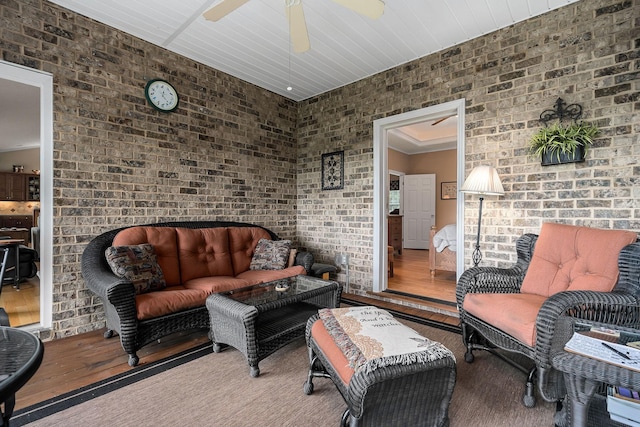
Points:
x=419 y=200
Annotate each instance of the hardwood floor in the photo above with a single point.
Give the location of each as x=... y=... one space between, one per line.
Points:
x=412 y=277
x=23 y=305
x=80 y=360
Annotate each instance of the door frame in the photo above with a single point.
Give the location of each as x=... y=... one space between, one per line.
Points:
x=44 y=82
x=381 y=180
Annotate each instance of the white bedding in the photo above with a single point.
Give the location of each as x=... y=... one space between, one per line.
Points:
x=445 y=237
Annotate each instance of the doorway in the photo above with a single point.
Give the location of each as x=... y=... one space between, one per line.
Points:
x=24 y=80
x=382 y=128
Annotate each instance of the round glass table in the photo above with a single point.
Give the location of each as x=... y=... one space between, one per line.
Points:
x=20 y=357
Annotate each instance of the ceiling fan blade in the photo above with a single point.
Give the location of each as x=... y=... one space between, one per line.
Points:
x=440 y=120
x=222 y=9
x=370 y=8
x=298 y=28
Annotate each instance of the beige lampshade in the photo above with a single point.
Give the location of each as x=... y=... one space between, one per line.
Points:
x=484 y=180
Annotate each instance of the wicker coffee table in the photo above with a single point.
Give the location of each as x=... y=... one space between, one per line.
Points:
x=258 y=320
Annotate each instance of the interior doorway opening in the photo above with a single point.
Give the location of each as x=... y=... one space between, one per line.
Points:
x=383 y=131
x=39 y=114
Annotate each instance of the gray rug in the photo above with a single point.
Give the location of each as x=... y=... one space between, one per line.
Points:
x=216 y=390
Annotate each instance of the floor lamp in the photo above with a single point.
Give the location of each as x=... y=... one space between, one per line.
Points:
x=482 y=180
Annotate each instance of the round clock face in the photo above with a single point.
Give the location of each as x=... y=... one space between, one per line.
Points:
x=161 y=95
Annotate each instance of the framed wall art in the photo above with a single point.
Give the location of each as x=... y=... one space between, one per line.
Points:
x=448 y=190
x=333 y=171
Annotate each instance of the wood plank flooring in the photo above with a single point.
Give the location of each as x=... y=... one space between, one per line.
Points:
x=73 y=362
x=412 y=275
x=22 y=305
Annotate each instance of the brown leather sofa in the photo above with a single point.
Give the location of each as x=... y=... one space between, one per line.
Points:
x=196 y=260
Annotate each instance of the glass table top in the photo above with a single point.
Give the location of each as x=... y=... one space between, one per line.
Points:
x=276 y=290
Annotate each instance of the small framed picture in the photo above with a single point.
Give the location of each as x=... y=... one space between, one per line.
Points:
x=333 y=171
x=448 y=190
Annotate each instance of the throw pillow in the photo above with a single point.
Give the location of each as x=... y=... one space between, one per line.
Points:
x=270 y=255
x=137 y=263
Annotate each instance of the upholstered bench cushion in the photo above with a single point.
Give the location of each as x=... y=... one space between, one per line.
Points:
x=332 y=352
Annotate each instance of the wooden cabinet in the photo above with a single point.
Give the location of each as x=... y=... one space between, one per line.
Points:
x=32 y=187
x=16 y=221
x=12 y=186
x=394 y=237
x=19 y=187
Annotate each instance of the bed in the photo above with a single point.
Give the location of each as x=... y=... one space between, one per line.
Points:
x=442 y=249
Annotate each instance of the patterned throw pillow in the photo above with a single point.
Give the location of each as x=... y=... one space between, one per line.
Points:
x=137 y=263
x=270 y=255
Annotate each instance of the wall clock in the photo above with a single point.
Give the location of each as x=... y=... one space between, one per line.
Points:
x=161 y=95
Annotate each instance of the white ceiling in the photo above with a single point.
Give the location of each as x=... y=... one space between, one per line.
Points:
x=19 y=116
x=431 y=135
x=252 y=43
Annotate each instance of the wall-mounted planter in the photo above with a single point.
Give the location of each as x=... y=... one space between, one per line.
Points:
x=559 y=158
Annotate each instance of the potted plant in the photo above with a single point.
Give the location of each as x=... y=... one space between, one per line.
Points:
x=559 y=143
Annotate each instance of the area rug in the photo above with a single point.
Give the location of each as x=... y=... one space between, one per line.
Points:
x=215 y=389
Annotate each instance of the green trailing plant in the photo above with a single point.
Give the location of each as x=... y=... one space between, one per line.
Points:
x=557 y=139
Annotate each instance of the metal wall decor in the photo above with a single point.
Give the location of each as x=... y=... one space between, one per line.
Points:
x=561 y=112
x=333 y=171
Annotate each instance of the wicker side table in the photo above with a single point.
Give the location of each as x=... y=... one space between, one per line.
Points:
x=258 y=320
x=584 y=376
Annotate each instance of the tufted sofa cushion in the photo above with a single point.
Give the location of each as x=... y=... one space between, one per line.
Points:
x=203 y=252
x=242 y=242
x=165 y=246
x=573 y=258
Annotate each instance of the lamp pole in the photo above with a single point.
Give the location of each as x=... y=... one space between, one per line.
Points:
x=477 y=255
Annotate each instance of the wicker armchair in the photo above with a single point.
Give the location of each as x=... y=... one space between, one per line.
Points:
x=585 y=304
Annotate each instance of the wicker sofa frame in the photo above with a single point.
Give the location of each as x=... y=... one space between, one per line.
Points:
x=416 y=394
x=118 y=295
x=588 y=305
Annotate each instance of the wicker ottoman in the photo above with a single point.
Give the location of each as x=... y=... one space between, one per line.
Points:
x=407 y=390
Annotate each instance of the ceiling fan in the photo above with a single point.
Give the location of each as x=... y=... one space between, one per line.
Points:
x=295 y=15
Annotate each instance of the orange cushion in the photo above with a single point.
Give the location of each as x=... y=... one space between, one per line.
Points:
x=262 y=276
x=568 y=257
x=242 y=242
x=213 y=284
x=203 y=252
x=331 y=351
x=514 y=314
x=164 y=242
x=168 y=300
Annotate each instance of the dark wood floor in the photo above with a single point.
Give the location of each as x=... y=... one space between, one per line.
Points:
x=73 y=362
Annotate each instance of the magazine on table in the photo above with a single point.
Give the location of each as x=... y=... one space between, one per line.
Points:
x=620 y=348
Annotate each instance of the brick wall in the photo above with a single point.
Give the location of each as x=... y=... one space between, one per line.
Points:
x=586 y=53
x=228 y=152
